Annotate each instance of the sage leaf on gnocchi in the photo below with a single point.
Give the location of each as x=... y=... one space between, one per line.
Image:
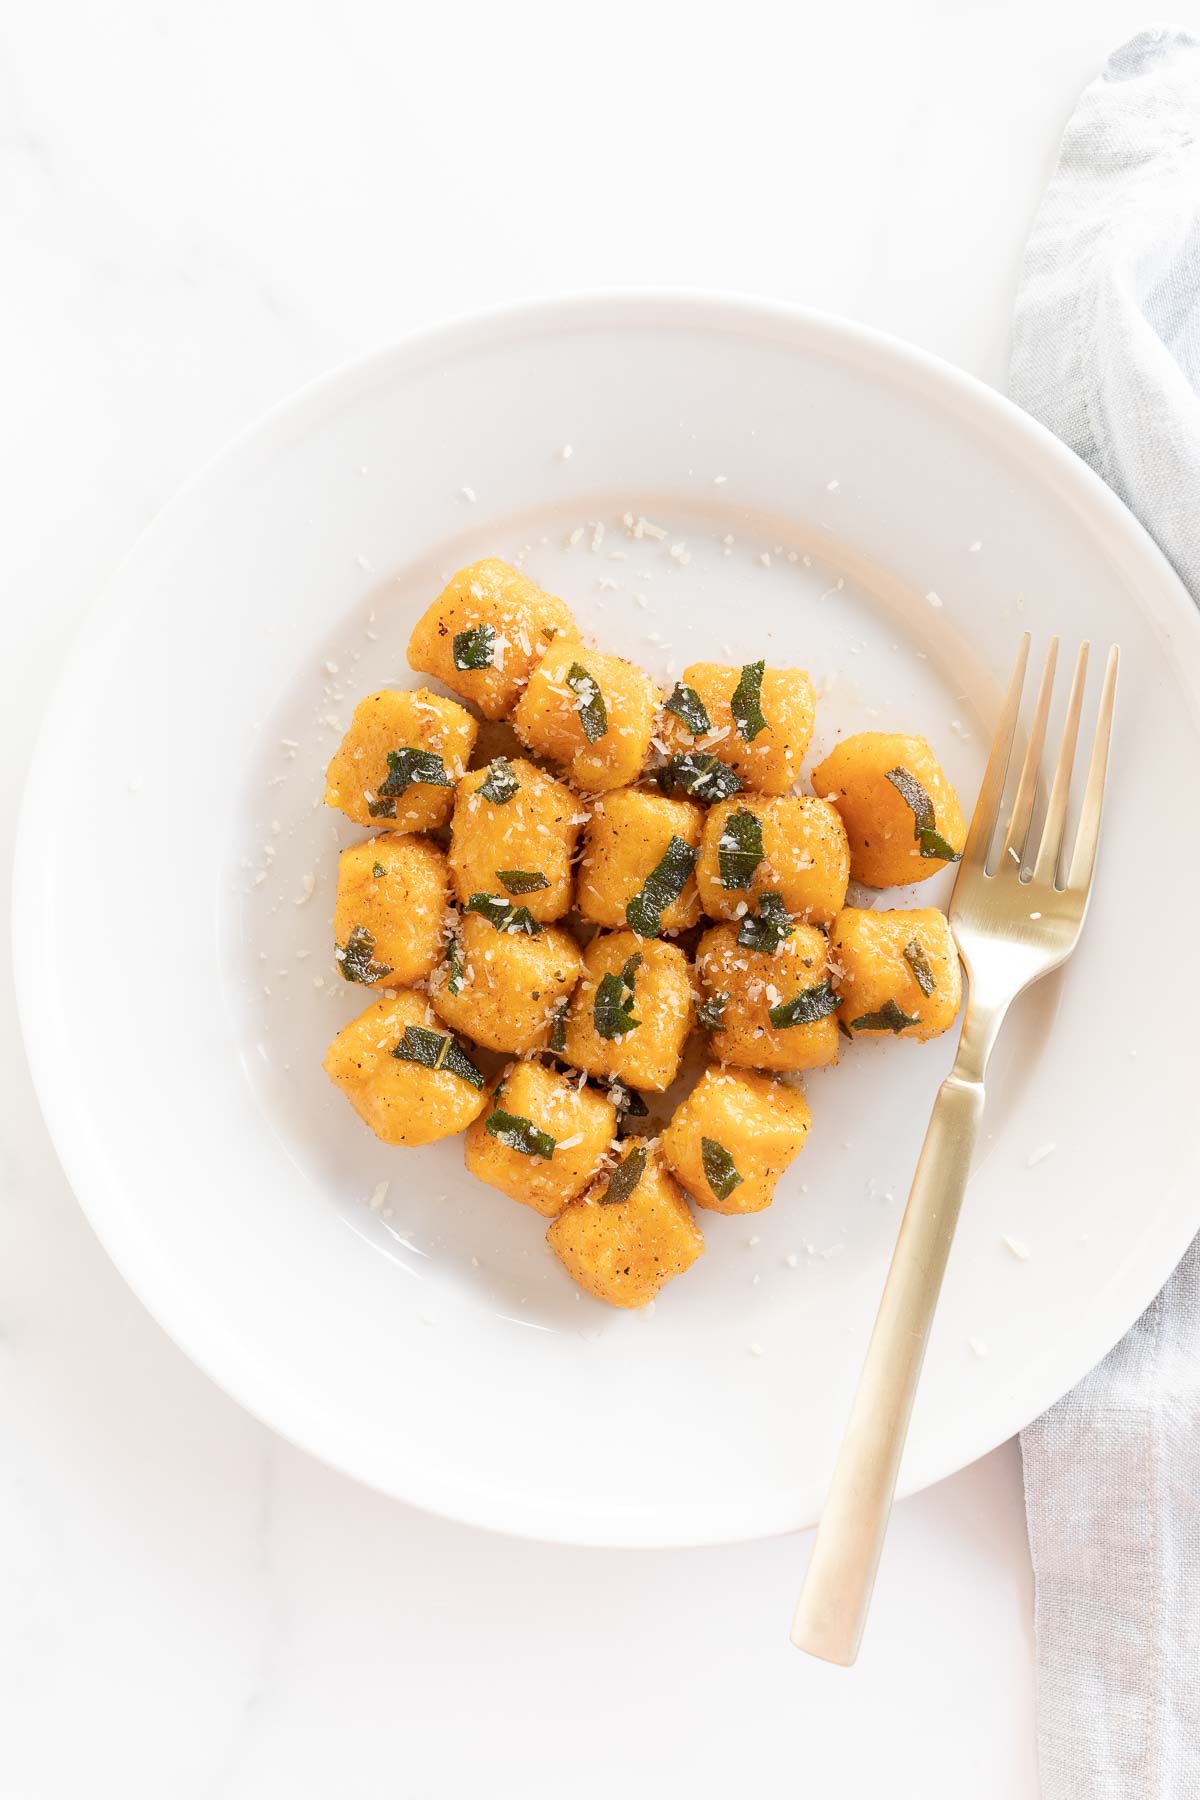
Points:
x=934 y=846
x=702 y=777
x=662 y=887
x=891 y=1016
x=918 y=962
x=930 y=843
x=629 y=1104
x=769 y=927
x=377 y=871
x=355 y=958
x=740 y=848
x=710 y=1012
x=521 y=881
x=689 y=709
x=435 y=1050
x=625 y=1178
x=805 y=1008
x=612 y=1009
x=589 y=701
x=519 y=1134
x=501 y=783
x=408 y=768
x=474 y=649
x=503 y=914
x=746 y=704
x=720 y=1170
x=454 y=963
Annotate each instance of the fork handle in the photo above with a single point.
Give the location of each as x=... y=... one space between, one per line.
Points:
x=836 y=1595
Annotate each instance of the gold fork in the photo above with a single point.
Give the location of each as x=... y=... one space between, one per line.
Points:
x=1012 y=926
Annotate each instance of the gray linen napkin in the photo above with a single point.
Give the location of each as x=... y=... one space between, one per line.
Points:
x=1107 y=354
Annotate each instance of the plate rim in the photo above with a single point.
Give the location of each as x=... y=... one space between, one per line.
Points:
x=484 y=1504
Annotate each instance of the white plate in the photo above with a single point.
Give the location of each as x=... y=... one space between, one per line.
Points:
x=913 y=524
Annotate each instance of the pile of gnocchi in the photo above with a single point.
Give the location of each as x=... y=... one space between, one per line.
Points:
x=646 y=870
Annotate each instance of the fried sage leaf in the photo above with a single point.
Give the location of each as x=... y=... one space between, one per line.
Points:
x=661 y=888
x=890 y=1017
x=521 y=881
x=612 y=1009
x=406 y=768
x=720 y=1170
x=703 y=777
x=454 y=962
x=740 y=848
x=710 y=1012
x=519 y=1134
x=930 y=842
x=501 y=783
x=918 y=962
x=689 y=708
x=934 y=846
x=629 y=1105
x=805 y=1008
x=766 y=929
x=625 y=1178
x=593 y=714
x=377 y=871
x=913 y=795
x=434 y=1050
x=475 y=648
x=558 y=1026
x=746 y=703
x=354 y=958
x=503 y=914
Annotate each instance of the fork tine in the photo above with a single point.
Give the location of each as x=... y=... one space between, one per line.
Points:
x=991 y=792
x=1083 y=859
x=1052 y=830
x=1022 y=812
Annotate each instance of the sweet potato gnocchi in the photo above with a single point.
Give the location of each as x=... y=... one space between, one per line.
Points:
x=898 y=972
x=729 y=1142
x=630 y=1233
x=484 y=633
x=400 y=761
x=405 y=1077
x=651 y=869
x=901 y=815
x=795 y=847
x=639 y=853
x=769 y=1000
x=513 y=833
x=595 y=713
x=389 y=918
x=503 y=983
x=632 y=1011
x=541 y=1137
x=756 y=722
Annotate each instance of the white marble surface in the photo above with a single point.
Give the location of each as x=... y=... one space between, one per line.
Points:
x=203 y=207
